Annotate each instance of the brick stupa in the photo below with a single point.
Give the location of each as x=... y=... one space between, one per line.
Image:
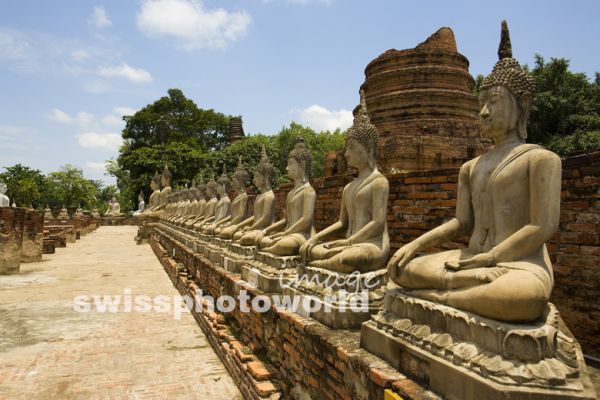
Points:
x=236 y=130
x=422 y=101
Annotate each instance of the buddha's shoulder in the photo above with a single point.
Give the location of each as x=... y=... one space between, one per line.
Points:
x=541 y=153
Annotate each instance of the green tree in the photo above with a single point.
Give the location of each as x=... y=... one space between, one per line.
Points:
x=566 y=102
x=68 y=187
x=25 y=185
x=172 y=131
x=175 y=118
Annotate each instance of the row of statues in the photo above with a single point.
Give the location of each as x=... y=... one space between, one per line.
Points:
x=486 y=306
x=508 y=201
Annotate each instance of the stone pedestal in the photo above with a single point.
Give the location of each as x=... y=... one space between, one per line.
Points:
x=466 y=356
x=235 y=256
x=33 y=236
x=270 y=273
x=340 y=301
x=11 y=239
x=114 y=221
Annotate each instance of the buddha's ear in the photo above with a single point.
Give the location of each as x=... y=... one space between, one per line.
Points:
x=524 y=103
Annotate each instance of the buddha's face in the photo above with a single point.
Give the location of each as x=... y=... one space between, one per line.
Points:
x=499 y=112
x=200 y=194
x=153 y=185
x=356 y=154
x=294 y=169
x=221 y=190
x=259 y=180
x=3 y=187
x=164 y=181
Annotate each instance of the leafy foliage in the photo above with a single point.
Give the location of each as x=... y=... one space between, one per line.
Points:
x=69 y=188
x=192 y=142
x=25 y=185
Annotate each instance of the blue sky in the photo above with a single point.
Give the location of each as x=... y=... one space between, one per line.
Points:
x=69 y=69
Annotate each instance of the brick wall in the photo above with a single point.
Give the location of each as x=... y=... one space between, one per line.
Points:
x=33 y=236
x=419 y=201
x=11 y=239
x=301 y=355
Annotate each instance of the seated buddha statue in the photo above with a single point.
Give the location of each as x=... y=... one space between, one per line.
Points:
x=285 y=237
x=141 y=204
x=197 y=211
x=363 y=214
x=264 y=205
x=165 y=182
x=4 y=200
x=187 y=197
x=177 y=204
x=211 y=204
x=192 y=203
x=508 y=201
x=63 y=214
x=239 y=205
x=48 y=217
x=154 y=199
x=223 y=207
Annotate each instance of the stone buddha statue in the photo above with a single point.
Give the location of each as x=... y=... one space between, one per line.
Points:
x=141 y=204
x=63 y=215
x=190 y=204
x=198 y=211
x=48 y=217
x=184 y=202
x=115 y=208
x=165 y=182
x=4 y=200
x=154 y=199
x=250 y=231
x=223 y=207
x=285 y=237
x=211 y=204
x=239 y=205
x=363 y=215
x=508 y=201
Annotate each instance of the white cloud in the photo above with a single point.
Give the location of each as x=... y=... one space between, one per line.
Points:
x=96 y=166
x=191 y=24
x=100 y=141
x=112 y=120
x=17 y=52
x=122 y=111
x=60 y=116
x=321 y=119
x=82 y=118
x=135 y=75
x=99 y=19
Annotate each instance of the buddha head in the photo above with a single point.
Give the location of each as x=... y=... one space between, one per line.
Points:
x=240 y=176
x=264 y=172
x=223 y=183
x=362 y=138
x=200 y=189
x=155 y=182
x=3 y=187
x=299 y=161
x=211 y=188
x=506 y=95
x=166 y=176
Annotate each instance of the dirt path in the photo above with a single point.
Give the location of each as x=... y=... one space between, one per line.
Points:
x=49 y=351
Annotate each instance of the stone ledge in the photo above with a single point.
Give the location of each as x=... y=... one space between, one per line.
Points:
x=311 y=358
x=466 y=356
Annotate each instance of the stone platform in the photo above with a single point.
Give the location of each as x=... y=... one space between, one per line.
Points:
x=306 y=359
x=270 y=273
x=340 y=301
x=470 y=357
